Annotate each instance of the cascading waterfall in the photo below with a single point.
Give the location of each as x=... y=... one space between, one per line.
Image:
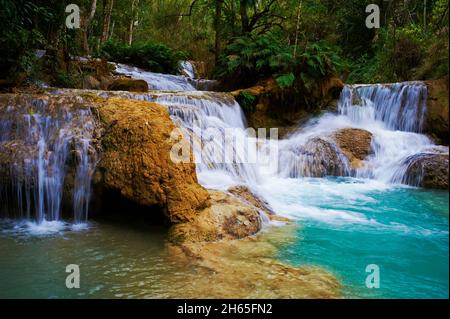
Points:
x=157 y=81
x=46 y=143
x=316 y=157
x=211 y=120
x=401 y=106
x=393 y=113
x=169 y=82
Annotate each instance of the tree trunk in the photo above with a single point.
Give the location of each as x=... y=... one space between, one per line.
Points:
x=107 y=11
x=297 y=29
x=217 y=27
x=233 y=18
x=111 y=32
x=86 y=23
x=244 y=16
x=132 y=19
x=425 y=14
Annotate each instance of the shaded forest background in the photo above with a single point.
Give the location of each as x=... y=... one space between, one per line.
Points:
x=297 y=42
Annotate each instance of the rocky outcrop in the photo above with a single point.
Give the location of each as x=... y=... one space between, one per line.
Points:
x=427 y=170
x=91 y=83
x=436 y=123
x=228 y=218
x=128 y=84
x=355 y=143
x=136 y=161
x=318 y=157
x=131 y=139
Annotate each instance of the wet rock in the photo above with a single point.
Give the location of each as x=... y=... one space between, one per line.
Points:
x=355 y=144
x=201 y=69
x=127 y=84
x=318 y=157
x=436 y=118
x=206 y=85
x=228 y=218
x=136 y=146
x=131 y=138
x=250 y=197
x=91 y=83
x=427 y=170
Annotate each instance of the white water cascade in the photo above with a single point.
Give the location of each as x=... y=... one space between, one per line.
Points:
x=188 y=81
x=393 y=113
x=45 y=144
x=226 y=153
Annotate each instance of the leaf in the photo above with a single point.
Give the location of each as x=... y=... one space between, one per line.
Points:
x=286 y=80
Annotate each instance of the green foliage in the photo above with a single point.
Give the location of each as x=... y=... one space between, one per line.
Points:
x=298 y=43
x=247 y=101
x=410 y=53
x=286 y=80
x=19 y=35
x=249 y=59
x=156 y=57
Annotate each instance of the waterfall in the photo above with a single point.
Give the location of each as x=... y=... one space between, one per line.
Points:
x=46 y=143
x=222 y=147
x=157 y=81
x=215 y=125
x=401 y=106
x=168 y=82
x=393 y=113
x=188 y=69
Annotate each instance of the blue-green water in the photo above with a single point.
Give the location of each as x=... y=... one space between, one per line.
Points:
x=343 y=226
x=346 y=224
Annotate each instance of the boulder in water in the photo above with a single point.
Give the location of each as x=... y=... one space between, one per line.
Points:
x=318 y=157
x=228 y=218
x=250 y=197
x=427 y=170
x=355 y=143
x=127 y=84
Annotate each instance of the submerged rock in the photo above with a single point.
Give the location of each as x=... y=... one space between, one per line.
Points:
x=355 y=143
x=249 y=268
x=427 y=170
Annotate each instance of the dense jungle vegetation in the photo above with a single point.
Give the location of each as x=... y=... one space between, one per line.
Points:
x=297 y=42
